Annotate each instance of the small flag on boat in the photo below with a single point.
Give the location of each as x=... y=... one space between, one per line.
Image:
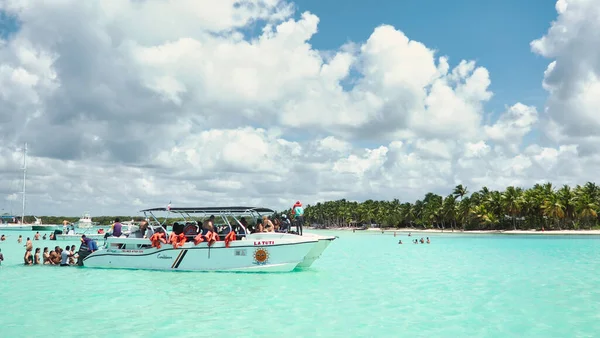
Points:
x=169 y=206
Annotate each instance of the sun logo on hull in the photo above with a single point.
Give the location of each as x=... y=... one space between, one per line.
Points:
x=261 y=256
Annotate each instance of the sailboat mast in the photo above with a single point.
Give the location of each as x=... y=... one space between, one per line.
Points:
x=24 y=179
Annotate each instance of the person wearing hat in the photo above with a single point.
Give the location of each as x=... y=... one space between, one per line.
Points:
x=298 y=214
x=285 y=223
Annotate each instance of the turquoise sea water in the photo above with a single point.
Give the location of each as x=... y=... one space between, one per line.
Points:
x=364 y=285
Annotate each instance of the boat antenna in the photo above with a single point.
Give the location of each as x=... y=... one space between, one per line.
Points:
x=24 y=178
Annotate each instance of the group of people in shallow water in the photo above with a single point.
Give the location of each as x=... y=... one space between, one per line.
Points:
x=20 y=239
x=37 y=237
x=58 y=256
x=416 y=241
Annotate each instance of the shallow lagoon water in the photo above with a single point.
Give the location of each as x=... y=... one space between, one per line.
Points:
x=364 y=285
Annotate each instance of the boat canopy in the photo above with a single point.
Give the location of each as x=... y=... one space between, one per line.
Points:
x=225 y=213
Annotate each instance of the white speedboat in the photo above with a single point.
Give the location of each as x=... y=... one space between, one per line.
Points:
x=257 y=252
x=85 y=221
x=38 y=226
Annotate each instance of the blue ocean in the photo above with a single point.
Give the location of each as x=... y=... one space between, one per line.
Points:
x=364 y=285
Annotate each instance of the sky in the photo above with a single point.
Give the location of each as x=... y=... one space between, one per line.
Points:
x=133 y=104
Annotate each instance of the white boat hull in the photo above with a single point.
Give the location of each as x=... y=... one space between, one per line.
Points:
x=15 y=227
x=249 y=255
x=76 y=237
x=316 y=251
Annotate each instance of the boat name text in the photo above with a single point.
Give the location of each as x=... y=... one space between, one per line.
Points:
x=159 y=256
x=264 y=242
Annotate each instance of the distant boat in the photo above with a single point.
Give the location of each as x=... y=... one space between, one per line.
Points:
x=10 y=222
x=38 y=226
x=85 y=221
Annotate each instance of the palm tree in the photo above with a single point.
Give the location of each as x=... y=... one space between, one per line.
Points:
x=512 y=200
x=460 y=191
x=553 y=208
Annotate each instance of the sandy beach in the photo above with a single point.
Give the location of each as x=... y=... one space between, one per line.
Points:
x=483 y=232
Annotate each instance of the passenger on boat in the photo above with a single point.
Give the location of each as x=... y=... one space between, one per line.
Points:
x=46 y=257
x=37 y=236
x=240 y=229
x=117 y=228
x=285 y=224
x=298 y=213
x=209 y=225
x=90 y=243
x=259 y=226
x=149 y=231
x=139 y=233
x=28 y=258
x=276 y=224
x=36 y=256
x=3 y=238
x=268 y=225
x=190 y=229
x=64 y=257
x=28 y=244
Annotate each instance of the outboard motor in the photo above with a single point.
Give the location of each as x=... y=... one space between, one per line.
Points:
x=56 y=232
x=83 y=252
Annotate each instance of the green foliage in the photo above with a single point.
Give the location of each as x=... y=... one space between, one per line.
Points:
x=541 y=206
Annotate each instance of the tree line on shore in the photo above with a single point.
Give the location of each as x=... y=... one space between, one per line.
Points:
x=541 y=207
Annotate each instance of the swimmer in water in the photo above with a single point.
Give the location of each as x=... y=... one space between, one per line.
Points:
x=37 y=236
x=52 y=258
x=28 y=244
x=36 y=256
x=400 y=242
x=20 y=239
x=46 y=257
x=3 y=238
x=28 y=259
x=428 y=241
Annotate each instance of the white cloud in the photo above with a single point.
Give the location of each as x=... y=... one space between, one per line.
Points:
x=573 y=76
x=125 y=108
x=512 y=125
